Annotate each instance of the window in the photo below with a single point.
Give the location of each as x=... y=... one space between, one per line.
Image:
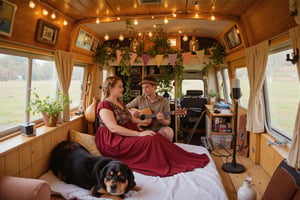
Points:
x=227 y=85
x=220 y=84
x=242 y=74
x=43 y=80
x=282 y=92
x=20 y=74
x=76 y=86
x=13 y=78
x=192 y=85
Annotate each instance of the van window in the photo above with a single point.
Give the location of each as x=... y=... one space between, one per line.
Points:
x=242 y=74
x=227 y=85
x=20 y=74
x=13 y=77
x=220 y=84
x=282 y=92
x=188 y=84
x=76 y=86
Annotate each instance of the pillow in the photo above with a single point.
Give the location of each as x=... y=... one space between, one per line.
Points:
x=86 y=140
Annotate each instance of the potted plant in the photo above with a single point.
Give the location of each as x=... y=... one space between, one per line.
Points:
x=213 y=95
x=49 y=107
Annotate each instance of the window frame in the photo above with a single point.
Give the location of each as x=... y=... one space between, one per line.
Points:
x=272 y=130
x=31 y=56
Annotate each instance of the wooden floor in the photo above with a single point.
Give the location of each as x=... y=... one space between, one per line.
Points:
x=232 y=181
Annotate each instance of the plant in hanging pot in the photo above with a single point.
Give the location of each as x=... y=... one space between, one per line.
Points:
x=49 y=107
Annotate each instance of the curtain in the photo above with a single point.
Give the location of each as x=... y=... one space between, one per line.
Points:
x=64 y=62
x=256 y=57
x=294 y=153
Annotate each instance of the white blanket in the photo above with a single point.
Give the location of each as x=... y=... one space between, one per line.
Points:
x=201 y=183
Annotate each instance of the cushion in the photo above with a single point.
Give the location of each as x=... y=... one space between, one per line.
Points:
x=16 y=188
x=86 y=140
x=284 y=184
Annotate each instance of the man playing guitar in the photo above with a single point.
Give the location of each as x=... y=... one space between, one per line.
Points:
x=157 y=104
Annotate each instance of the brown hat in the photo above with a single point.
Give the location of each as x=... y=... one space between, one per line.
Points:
x=149 y=80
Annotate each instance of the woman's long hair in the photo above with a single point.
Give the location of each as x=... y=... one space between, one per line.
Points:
x=110 y=81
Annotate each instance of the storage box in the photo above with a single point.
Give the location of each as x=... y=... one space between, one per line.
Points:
x=222 y=141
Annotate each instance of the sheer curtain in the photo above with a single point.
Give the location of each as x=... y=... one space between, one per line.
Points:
x=64 y=62
x=256 y=57
x=294 y=153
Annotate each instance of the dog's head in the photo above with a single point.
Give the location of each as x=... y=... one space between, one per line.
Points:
x=116 y=178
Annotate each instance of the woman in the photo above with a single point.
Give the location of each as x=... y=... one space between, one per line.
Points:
x=146 y=152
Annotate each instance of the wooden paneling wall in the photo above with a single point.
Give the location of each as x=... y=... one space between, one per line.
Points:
x=30 y=159
x=25 y=23
x=266 y=19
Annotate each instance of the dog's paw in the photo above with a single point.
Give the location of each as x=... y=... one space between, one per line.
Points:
x=136 y=188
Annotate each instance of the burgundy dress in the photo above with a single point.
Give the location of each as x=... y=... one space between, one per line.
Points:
x=149 y=155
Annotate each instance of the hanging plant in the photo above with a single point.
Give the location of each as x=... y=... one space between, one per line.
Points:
x=105 y=53
x=216 y=54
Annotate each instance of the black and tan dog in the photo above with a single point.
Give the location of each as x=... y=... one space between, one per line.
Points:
x=105 y=177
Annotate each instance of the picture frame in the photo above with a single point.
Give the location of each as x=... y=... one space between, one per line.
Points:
x=233 y=38
x=46 y=32
x=7 y=17
x=85 y=40
x=94 y=44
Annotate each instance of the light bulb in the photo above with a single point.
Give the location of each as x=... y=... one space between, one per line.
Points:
x=31 y=4
x=53 y=16
x=65 y=22
x=98 y=20
x=45 y=12
x=185 y=38
x=166 y=20
x=121 y=37
x=106 y=36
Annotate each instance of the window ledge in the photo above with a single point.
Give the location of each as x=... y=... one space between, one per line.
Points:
x=18 y=139
x=282 y=150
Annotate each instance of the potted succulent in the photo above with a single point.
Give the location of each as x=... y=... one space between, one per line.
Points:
x=49 y=107
x=213 y=95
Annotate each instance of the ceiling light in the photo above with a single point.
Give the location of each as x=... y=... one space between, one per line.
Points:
x=53 y=16
x=121 y=37
x=45 y=12
x=106 y=36
x=166 y=20
x=31 y=4
x=98 y=20
x=65 y=22
x=180 y=31
x=212 y=17
x=185 y=38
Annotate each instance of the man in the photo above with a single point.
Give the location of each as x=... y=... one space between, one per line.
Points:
x=157 y=104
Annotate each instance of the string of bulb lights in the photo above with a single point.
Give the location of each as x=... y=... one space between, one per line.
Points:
x=99 y=19
x=32 y=4
x=150 y=33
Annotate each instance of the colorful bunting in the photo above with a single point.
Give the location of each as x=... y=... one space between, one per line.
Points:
x=200 y=55
x=158 y=59
x=119 y=57
x=186 y=57
x=132 y=58
x=145 y=58
x=172 y=58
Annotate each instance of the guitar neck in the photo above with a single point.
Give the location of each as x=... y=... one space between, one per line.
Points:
x=154 y=115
